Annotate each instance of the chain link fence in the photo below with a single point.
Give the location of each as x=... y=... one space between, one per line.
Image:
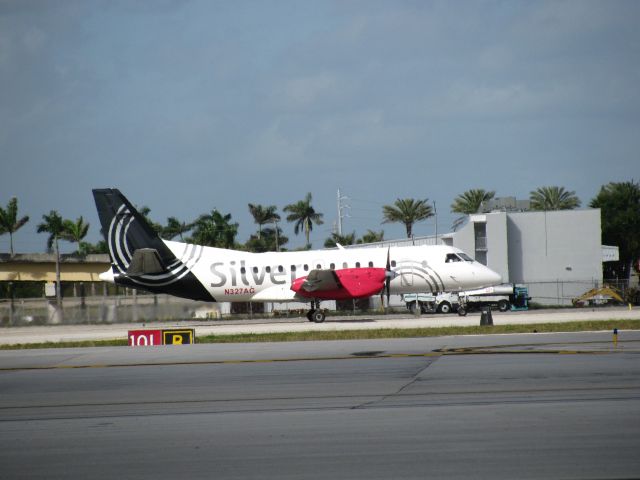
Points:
x=129 y=306
x=96 y=310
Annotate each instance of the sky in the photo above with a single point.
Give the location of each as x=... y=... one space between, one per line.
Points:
x=189 y=106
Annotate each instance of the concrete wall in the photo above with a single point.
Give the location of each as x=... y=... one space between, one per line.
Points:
x=547 y=246
x=547 y=249
x=42 y=267
x=464 y=238
x=557 y=254
x=497 y=244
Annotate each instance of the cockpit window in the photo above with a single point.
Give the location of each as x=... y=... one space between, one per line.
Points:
x=466 y=257
x=452 y=257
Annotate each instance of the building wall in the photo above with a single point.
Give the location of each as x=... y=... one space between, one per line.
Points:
x=557 y=254
x=497 y=244
x=42 y=267
x=547 y=246
x=464 y=239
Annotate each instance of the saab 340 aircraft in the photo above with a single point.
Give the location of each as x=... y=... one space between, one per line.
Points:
x=141 y=259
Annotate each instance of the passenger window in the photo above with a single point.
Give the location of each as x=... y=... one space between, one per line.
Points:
x=267 y=269
x=306 y=267
x=280 y=268
x=370 y=264
x=332 y=266
x=255 y=269
x=344 y=265
x=243 y=270
x=357 y=264
x=293 y=268
x=393 y=263
x=319 y=267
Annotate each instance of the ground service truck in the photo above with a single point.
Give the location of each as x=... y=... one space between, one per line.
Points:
x=503 y=297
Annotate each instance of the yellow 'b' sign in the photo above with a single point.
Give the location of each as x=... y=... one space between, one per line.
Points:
x=173 y=336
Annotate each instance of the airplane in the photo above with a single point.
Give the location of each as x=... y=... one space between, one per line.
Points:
x=141 y=259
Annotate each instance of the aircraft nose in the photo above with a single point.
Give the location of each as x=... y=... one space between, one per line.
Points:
x=494 y=277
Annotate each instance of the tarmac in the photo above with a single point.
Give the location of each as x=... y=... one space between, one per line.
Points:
x=93 y=332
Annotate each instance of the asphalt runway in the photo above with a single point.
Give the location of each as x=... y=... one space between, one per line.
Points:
x=96 y=331
x=497 y=406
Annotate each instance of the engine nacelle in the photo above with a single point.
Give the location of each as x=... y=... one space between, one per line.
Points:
x=343 y=284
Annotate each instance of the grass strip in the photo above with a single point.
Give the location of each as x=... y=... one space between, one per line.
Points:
x=599 y=325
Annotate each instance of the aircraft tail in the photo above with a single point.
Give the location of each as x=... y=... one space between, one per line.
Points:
x=139 y=257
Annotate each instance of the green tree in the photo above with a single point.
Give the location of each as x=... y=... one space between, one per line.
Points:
x=263 y=215
x=53 y=224
x=267 y=242
x=175 y=228
x=407 y=211
x=214 y=230
x=372 y=237
x=620 y=206
x=9 y=221
x=470 y=202
x=553 y=198
x=75 y=232
x=304 y=216
x=145 y=211
x=87 y=248
x=344 y=239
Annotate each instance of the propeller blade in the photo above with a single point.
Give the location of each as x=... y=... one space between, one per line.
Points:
x=389 y=273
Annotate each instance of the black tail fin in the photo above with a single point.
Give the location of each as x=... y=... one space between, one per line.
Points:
x=132 y=243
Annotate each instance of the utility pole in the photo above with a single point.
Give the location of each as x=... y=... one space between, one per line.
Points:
x=340 y=209
x=435 y=213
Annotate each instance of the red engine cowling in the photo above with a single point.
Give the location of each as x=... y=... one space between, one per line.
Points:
x=341 y=284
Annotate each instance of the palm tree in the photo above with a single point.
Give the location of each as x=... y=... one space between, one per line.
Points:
x=53 y=224
x=407 y=211
x=470 y=202
x=304 y=216
x=9 y=221
x=87 y=248
x=372 y=237
x=270 y=241
x=75 y=231
x=553 y=198
x=214 y=230
x=344 y=239
x=175 y=228
x=145 y=211
x=263 y=215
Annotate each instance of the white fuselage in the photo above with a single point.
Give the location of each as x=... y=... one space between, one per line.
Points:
x=233 y=275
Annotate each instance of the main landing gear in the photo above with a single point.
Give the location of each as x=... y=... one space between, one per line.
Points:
x=315 y=314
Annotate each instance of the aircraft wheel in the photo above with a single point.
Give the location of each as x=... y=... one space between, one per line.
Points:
x=310 y=315
x=318 y=316
x=462 y=311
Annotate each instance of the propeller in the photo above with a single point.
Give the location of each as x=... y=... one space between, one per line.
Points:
x=389 y=275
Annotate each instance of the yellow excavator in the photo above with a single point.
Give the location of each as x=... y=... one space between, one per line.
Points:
x=600 y=295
